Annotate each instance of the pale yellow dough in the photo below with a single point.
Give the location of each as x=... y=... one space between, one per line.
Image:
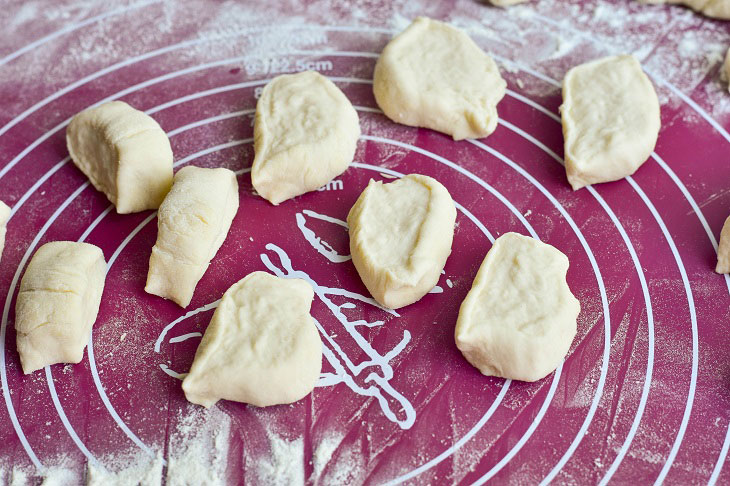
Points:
x=124 y=153
x=58 y=302
x=611 y=120
x=192 y=224
x=4 y=217
x=505 y=3
x=519 y=318
x=261 y=347
x=305 y=135
x=400 y=237
x=433 y=75
x=719 y=9
x=723 y=250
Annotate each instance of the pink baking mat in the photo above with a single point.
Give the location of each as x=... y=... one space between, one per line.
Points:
x=643 y=393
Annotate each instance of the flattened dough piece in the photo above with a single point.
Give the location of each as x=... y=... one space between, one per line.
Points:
x=124 y=153
x=192 y=224
x=611 y=120
x=719 y=9
x=261 y=347
x=723 y=249
x=4 y=217
x=58 y=303
x=305 y=135
x=400 y=237
x=433 y=75
x=519 y=318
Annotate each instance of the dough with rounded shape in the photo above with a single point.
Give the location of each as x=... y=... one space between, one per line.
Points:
x=4 y=217
x=519 y=318
x=192 y=224
x=305 y=135
x=400 y=237
x=723 y=249
x=433 y=75
x=611 y=120
x=124 y=153
x=719 y=9
x=261 y=347
x=58 y=302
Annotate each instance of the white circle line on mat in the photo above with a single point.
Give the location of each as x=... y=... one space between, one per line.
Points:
x=647 y=302
x=73 y=27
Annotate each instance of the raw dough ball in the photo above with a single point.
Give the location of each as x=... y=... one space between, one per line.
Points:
x=400 y=237
x=4 y=217
x=305 y=134
x=124 y=153
x=505 y=3
x=192 y=224
x=261 y=347
x=723 y=250
x=57 y=303
x=519 y=318
x=433 y=75
x=719 y=9
x=610 y=118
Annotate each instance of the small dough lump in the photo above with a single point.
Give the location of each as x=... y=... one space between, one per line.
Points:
x=719 y=9
x=433 y=75
x=192 y=224
x=4 y=217
x=305 y=135
x=611 y=120
x=124 y=153
x=261 y=347
x=400 y=237
x=723 y=250
x=58 y=302
x=519 y=318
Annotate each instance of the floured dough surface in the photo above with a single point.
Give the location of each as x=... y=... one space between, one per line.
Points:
x=261 y=347
x=58 y=302
x=192 y=224
x=124 y=153
x=305 y=134
x=719 y=9
x=611 y=120
x=519 y=318
x=4 y=217
x=433 y=75
x=400 y=237
x=723 y=249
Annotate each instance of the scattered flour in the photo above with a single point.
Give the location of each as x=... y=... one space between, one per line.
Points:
x=324 y=451
x=284 y=465
x=129 y=469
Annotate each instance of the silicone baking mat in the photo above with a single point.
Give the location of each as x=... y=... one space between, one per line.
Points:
x=643 y=394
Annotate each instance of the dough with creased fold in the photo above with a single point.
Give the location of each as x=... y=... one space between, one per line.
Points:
x=124 y=153
x=261 y=346
x=400 y=237
x=519 y=318
x=433 y=75
x=192 y=224
x=305 y=135
x=611 y=120
x=58 y=302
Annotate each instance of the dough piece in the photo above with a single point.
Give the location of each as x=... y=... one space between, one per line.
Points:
x=505 y=3
x=124 y=153
x=305 y=135
x=400 y=237
x=726 y=69
x=261 y=347
x=723 y=250
x=519 y=318
x=719 y=9
x=4 y=217
x=610 y=118
x=433 y=75
x=192 y=224
x=57 y=303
